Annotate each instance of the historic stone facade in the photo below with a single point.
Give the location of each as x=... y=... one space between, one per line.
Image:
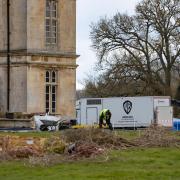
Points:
x=42 y=56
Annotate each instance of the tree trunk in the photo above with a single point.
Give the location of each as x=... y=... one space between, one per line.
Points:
x=168 y=91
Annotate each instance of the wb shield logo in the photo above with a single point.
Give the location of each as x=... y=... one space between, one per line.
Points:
x=127 y=105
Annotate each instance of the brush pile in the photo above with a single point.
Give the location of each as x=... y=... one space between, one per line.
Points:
x=14 y=147
x=92 y=142
x=55 y=145
x=73 y=144
x=86 y=150
x=77 y=144
x=105 y=138
x=157 y=137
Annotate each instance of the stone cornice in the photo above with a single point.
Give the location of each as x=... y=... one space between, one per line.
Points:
x=41 y=64
x=39 y=53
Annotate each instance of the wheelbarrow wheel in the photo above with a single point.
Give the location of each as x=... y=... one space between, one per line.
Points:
x=43 y=128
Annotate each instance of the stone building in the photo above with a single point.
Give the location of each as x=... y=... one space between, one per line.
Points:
x=38 y=39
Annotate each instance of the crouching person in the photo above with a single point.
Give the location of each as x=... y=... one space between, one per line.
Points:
x=105 y=115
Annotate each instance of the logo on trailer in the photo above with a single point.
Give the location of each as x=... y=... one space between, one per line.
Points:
x=127 y=105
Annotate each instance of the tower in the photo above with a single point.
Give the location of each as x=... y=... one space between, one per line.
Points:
x=38 y=39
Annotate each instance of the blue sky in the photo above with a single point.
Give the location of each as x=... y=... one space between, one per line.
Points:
x=89 y=11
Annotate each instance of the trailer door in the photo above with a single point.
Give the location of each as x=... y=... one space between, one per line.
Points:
x=164 y=116
x=91 y=115
x=78 y=116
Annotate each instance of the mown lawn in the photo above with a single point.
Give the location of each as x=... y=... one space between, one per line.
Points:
x=123 y=133
x=135 y=164
x=29 y=134
x=127 y=134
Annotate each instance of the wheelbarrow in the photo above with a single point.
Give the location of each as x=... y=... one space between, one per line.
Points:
x=50 y=125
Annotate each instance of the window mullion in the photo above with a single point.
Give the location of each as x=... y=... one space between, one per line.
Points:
x=49 y=93
x=50 y=98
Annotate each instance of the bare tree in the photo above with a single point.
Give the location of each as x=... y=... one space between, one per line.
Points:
x=150 y=40
x=119 y=77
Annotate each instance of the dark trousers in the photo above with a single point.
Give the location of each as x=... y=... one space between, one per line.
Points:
x=108 y=122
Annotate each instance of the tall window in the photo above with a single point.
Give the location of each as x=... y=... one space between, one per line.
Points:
x=51 y=22
x=51 y=91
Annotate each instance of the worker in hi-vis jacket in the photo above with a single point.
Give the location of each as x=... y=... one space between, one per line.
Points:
x=105 y=115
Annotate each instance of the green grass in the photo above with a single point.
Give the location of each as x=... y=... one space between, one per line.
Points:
x=135 y=164
x=129 y=134
x=29 y=134
x=123 y=133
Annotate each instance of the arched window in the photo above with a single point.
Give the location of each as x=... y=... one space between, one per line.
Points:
x=53 y=76
x=47 y=76
x=51 y=91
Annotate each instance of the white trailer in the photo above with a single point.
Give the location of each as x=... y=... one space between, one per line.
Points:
x=126 y=111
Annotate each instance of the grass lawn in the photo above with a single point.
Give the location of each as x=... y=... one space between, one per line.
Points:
x=123 y=133
x=127 y=134
x=29 y=134
x=136 y=164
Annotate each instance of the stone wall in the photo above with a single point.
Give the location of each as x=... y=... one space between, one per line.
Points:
x=18 y=88
x=3 y=88
x=67 y=81
x=30 y=57
x=27 y=25
x=36 y=89
x=3 y=25
x=18 y=24
x=66 y=85
x=67 y=25
x=36 y=25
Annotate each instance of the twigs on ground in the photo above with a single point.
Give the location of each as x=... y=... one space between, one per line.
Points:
x=157 y=137
x=80 y=144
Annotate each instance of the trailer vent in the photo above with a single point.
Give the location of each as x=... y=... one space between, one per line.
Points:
x=93 y=101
